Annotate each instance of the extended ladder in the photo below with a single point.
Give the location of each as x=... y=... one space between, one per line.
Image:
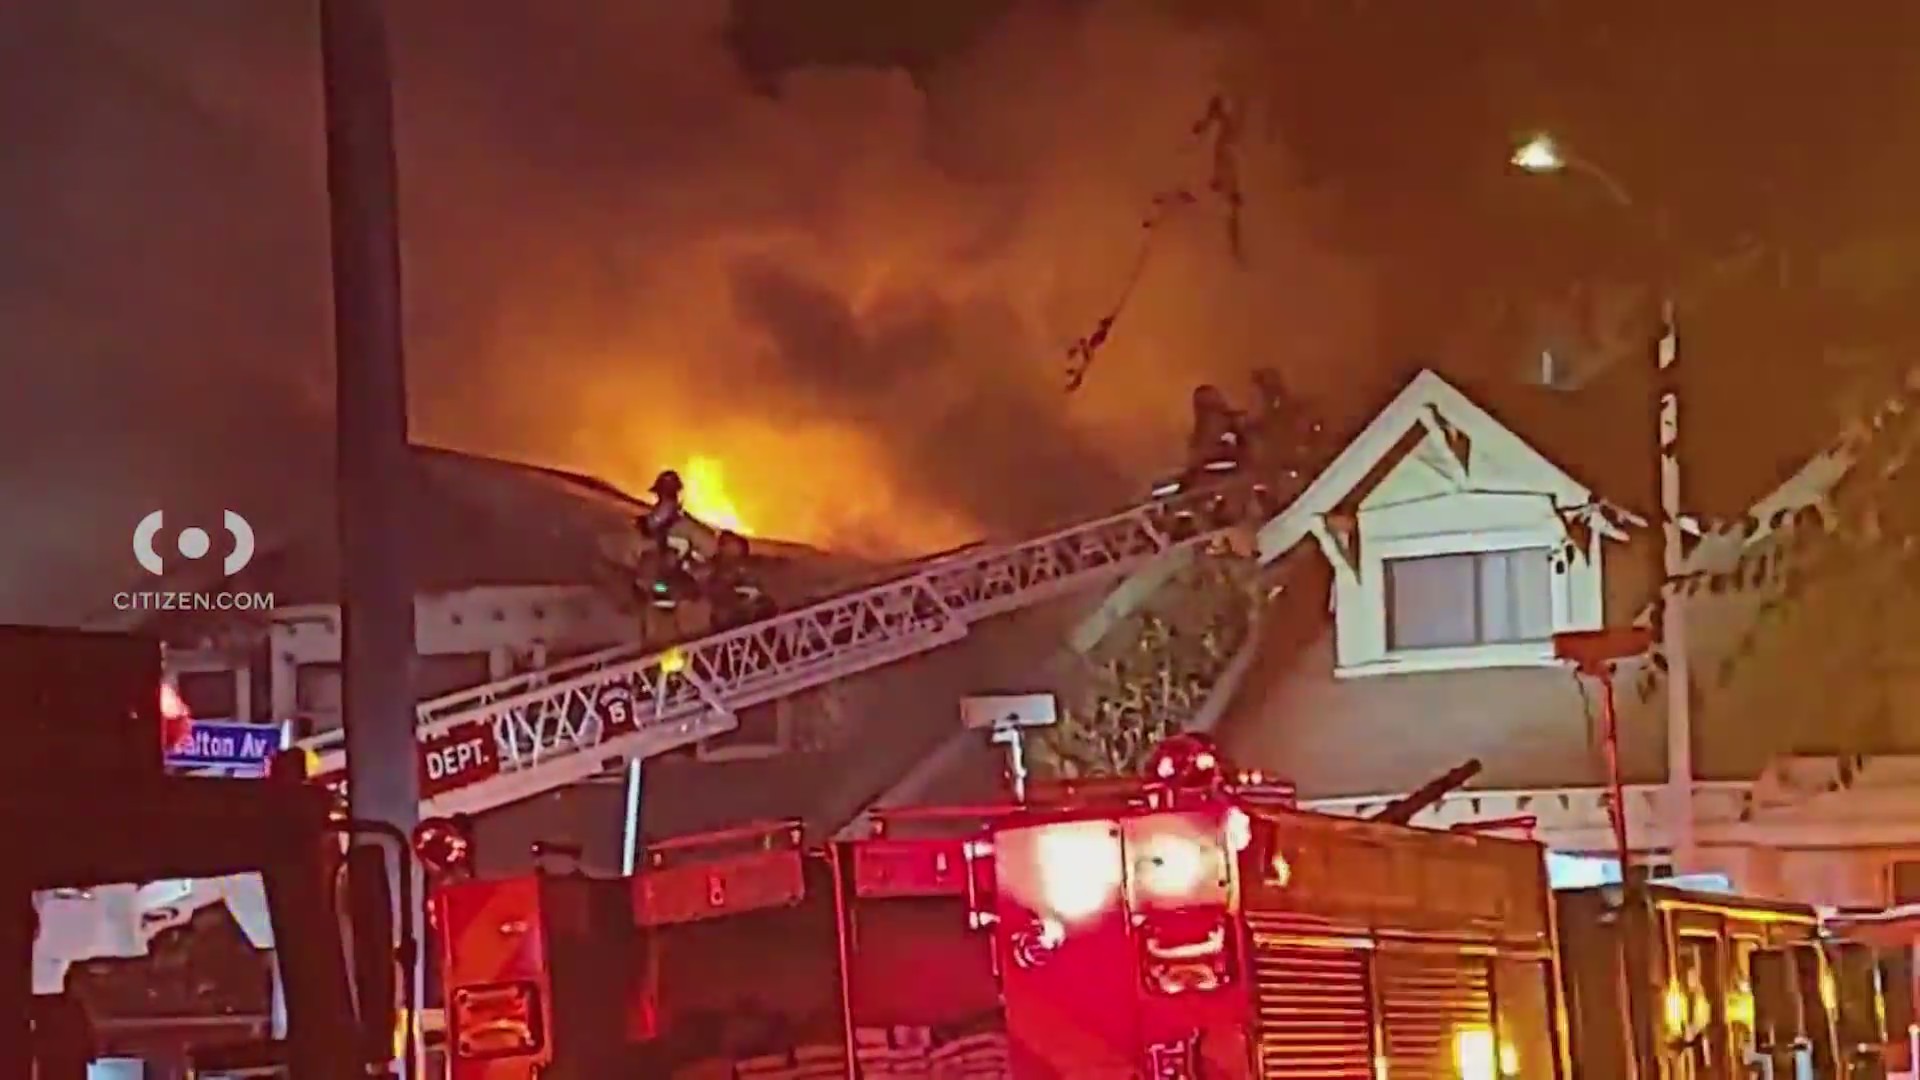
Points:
x=520 y=736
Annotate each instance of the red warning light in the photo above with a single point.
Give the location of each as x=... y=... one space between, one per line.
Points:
x=1187 y=760
x=443 y=845
x=176 y=720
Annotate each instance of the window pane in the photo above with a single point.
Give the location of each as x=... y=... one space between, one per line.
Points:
x=1515 y=597
x=316 y=696
x=317 y=686
x=1905 y=877
x=447 y=673
x=209 y=695
x=1430 y=602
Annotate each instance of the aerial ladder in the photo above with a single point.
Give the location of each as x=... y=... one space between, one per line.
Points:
x=517 y=737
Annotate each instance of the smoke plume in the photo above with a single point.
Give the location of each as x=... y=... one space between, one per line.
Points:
x=854 y=297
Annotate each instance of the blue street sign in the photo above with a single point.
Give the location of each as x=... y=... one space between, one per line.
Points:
x=223 y=744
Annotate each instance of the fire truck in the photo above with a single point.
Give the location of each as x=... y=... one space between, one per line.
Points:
x=1663 y=981
x=1181 y=926
x=86 y=804
x=1892 y=934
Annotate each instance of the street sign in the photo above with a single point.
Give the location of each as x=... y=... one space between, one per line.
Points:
x=225 y=744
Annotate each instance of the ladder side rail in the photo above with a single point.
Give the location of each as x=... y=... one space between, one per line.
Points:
x=544 y=721
x=520 y=682
x=1013 y=574
x=795 y=651
x=681 y=722
x=541 y=752
x=562 y=763
x=900 y=605
x=1099 y=541
x=993 y=578
x=489 y=693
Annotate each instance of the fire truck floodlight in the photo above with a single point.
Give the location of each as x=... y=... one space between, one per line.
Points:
x=1239 y=830
x=1175 y=866
x=1079 y=868
x=1474 y=1054
x=1279 y=870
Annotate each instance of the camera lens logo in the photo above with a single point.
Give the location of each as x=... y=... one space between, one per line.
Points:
x=192 y=543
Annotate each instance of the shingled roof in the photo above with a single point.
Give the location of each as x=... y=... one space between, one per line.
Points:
x=473 y=521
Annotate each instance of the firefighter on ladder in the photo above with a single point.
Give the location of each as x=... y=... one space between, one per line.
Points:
x=1216 y=451
x=669 y=580
x=1288 y=431
x=729 y=586
x=1218 y=442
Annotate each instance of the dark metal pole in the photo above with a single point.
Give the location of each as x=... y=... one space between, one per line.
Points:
x=1404 y=809
x=374 y=466
x=1616 y=791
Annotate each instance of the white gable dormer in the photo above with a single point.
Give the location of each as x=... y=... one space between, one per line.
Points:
x=1454 y=544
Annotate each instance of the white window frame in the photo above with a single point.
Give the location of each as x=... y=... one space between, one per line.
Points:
x=1362 y=615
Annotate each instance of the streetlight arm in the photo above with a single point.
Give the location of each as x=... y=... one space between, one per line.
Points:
x=1615 y=189
x=1542 y=155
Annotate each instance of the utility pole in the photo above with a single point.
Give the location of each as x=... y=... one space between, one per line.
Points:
x=1542 y=155
x=1673 y=624
x=374 y=463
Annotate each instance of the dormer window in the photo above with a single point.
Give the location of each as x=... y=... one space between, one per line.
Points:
x=1469 y=598
x=1451 y=600
x=1455 y=544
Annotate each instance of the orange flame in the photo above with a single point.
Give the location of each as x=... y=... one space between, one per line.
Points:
x=707 y=496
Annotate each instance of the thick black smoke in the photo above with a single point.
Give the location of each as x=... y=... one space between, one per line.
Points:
x=853 y=296
x=999 y=448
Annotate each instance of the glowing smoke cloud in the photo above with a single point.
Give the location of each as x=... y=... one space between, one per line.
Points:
x=853 y=300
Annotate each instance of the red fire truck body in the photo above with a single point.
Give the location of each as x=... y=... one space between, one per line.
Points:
x=1210 y=938
x=793 y=963
x=1128 y=934
x=730 y=953
x=533 y=973
x=1895 y=933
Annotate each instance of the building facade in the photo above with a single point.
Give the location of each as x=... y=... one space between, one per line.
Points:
x=1455 y=552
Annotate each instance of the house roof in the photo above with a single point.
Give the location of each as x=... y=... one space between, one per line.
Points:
x=1742 y=439
x=1292 y=680
x=1428 y=401
x=1604 y=434
x=477 y=521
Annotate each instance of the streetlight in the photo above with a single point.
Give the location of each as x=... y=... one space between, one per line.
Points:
x=1542 y=155
x=1539 y=154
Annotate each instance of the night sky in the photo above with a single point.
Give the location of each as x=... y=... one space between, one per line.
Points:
x=845 y=264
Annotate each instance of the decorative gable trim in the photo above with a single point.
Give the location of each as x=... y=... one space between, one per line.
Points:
x=1435 y=475
x=1428 y=403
